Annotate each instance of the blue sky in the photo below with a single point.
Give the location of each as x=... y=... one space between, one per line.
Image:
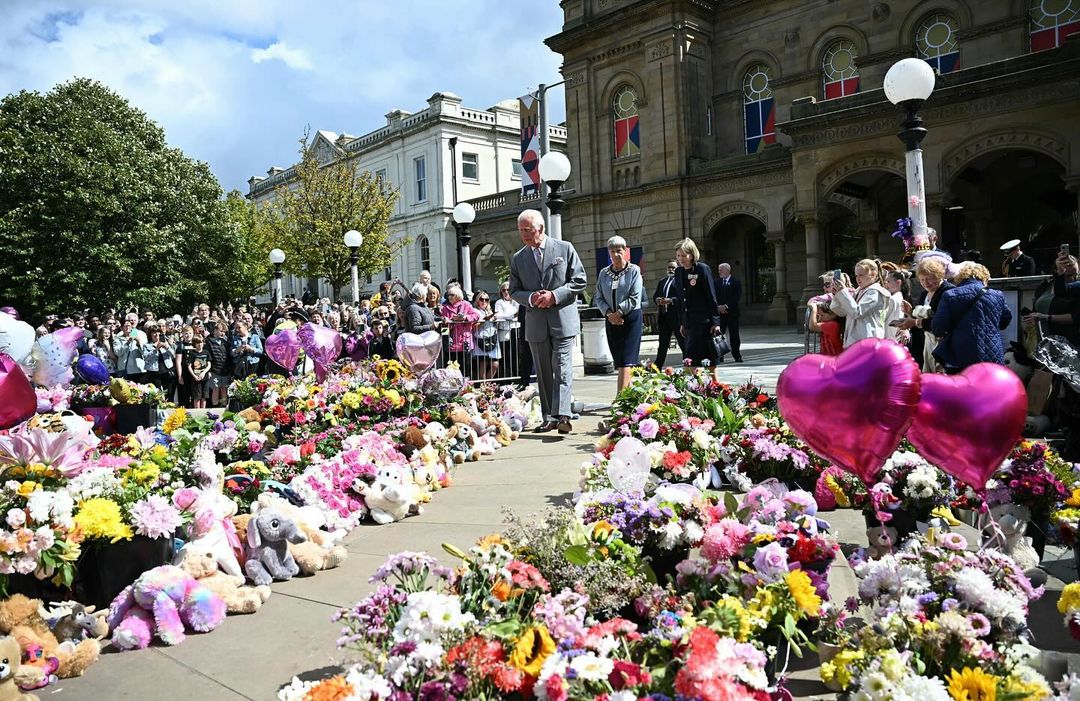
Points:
x=234 y=82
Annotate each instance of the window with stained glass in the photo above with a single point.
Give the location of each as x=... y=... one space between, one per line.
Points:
x=841 y=74
x=759 y=108
x=1052 y=21
x=627 y=131
x=936 y=43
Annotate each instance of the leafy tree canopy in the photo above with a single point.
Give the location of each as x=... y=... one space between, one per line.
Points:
x=97 y=210
x=309 y=213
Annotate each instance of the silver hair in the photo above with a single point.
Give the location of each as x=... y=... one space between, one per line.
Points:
x=455 y=290
x=533 y=217
x=726 y=266
x=616 y=242
x=419 y=291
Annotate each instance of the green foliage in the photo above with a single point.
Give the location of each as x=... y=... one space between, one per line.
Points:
x=96 y=209
x=308 y=215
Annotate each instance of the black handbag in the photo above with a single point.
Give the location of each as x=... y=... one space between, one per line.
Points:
x=721 y=345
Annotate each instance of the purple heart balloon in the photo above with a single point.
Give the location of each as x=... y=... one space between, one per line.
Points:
x=283 y=347
x=92 y=370
x=323 y=346
x=418 y=352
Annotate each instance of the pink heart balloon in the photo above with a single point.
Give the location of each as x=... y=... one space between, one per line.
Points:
x=18 y=402
x=966 y=424
x=322 y=345
x=283 y=347
x=854 y=408
x=419 y=352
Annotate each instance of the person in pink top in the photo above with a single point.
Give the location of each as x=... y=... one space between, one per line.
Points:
x=461 y=317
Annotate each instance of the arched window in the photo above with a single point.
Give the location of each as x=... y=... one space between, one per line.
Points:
x=425 y=253
x=1052 y=21
x=841 y=74
x=936 y=43
x=759 y=108
x=625 y=116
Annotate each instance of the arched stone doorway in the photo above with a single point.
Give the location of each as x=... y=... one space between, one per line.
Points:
x=859 y=216
x=490 y=264
x=1011 y=193
x=740 y=241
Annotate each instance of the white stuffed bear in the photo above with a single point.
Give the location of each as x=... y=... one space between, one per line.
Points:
x=389 y=498
x=213 y=532
x=1008 y=535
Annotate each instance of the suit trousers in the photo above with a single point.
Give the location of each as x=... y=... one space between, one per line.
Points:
x=553 y=359
x=666 y=329
x=730 y=325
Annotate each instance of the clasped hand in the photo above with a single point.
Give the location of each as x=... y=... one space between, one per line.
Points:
x=615 y=318
x=543 y=299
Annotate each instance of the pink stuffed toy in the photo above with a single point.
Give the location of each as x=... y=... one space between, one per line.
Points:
x=164 y=601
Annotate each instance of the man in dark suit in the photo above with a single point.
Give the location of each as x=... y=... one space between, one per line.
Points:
x=728 y=294
x=667 y=314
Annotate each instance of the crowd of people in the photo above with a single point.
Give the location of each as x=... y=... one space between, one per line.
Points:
x=193 y=358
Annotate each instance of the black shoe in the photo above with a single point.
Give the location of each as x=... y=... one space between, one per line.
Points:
x=738 y=360
x=545 y=427
x=564 y=425
x=719 y=360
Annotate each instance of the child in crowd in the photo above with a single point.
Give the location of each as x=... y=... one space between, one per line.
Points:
x=197 y=364
x=380 y=345
x=218 y=347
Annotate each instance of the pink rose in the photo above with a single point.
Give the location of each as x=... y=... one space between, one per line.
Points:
x=183 y=499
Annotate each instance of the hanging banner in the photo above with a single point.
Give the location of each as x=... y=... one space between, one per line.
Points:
x=529 y=108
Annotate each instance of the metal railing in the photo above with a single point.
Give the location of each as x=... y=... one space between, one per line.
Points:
x=494 y=352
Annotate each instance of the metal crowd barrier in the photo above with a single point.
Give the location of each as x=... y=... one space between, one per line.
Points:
x=513 y=364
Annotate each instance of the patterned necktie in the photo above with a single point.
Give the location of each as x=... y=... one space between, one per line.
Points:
x=538 y=254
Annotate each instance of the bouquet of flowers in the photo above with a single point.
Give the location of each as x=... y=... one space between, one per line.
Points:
x=90 y=396
x=772 y=450
x=916 y=484
x=1033 y=477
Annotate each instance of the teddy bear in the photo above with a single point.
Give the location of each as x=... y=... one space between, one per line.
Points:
x=21 y=619
x=269 y=533
x=882 y=540
x=10 y=661
x=238 y=598
x=321 y=550
x=387 y=497
x=1005 y=532
x=504 y=434
x=250 y=418
x=163 y=601
x=212 y=531
x=463 y=443
x=412 y=441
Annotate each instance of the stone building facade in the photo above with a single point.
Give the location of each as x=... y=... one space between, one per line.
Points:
x=411 y=153
x=760 y=130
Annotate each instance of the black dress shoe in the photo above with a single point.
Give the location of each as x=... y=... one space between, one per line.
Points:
x=564 y=426
x=545 y=427
x=738 y=360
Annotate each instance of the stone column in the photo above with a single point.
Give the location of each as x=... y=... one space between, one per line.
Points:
x=814 y=264
x=780 y=309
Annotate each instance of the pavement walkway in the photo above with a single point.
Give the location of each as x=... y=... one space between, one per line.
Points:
x=251 y=657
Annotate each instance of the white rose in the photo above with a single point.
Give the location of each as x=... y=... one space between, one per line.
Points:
x=701 y=438
x=16 y=518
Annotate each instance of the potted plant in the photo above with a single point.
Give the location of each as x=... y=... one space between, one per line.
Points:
x=136 y=404
x=96 y=402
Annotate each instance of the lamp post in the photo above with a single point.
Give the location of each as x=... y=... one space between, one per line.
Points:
x=908 y=84
x=353 y=239
x=554 y=170
x=277 y=257
x=464 y=214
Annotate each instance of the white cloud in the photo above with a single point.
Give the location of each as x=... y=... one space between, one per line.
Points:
x=293 y=58
x=234 y=83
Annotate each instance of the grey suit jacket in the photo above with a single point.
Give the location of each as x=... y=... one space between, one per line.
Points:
x=563 y=274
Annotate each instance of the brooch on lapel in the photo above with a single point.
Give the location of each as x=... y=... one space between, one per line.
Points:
x=693 y=279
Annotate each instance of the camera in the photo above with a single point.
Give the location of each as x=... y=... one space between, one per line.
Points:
x=838 y=275
x=1064 y=249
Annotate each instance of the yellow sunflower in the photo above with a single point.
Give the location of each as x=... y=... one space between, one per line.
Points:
x=803 y=592
x=972 y=685
x=175 y=421
x=531 y=649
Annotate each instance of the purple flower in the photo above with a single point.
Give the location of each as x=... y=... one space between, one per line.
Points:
x=648 y=429
x=771 y=562
x=155 y=517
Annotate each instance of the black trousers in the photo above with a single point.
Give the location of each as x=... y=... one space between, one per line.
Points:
x=730 y=325
x=666 y=329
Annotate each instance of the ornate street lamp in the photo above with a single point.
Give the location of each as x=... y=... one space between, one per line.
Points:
x=277 y=257
x=464 y=214
x=354 y=239
x=908 y=84
x=555 y=170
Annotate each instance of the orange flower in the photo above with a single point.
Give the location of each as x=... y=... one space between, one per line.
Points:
x=332 y=689
x=501 y=590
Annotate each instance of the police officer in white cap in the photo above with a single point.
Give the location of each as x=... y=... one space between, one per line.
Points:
x=1017 y=263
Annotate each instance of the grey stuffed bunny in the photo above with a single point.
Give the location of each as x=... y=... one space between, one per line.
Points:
x=269 y=534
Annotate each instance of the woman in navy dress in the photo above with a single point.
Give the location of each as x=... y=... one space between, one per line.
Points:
x=699 y=315
x=618 y=296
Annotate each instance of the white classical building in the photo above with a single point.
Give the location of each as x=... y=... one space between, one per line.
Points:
x=412 y=153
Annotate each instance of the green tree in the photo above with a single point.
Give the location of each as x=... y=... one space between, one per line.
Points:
x=96 y=209
x=246 y=247
x=308 y=215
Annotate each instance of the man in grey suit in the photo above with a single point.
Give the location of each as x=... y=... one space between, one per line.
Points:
x=546 y=276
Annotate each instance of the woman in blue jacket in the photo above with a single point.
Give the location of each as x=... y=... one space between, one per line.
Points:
x=969 y=320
